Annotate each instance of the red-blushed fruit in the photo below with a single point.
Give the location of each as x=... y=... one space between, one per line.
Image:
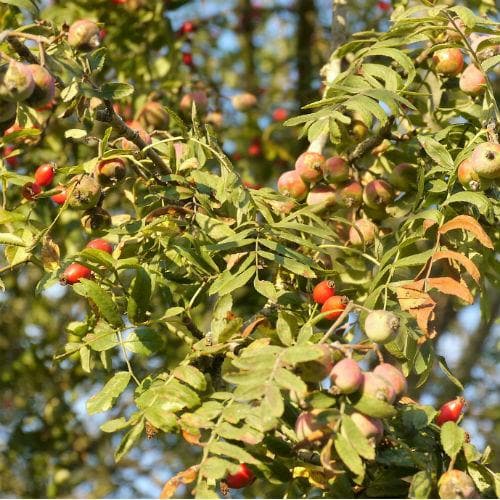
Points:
x=381 y=326
x=467 y=176
x=12 y=161
x=448 y=62
x=153 y=115
x=450 y=411
x=199 y=97
x=30 y=191
x=376 y=387
x=111 y=171
x=100 y=244
x=403 y=176
x=456 y=484
x=318 y=369
x=61 y=197
x=307 y=426
x=367 y=229
x=486 y=160
x=393 y=376
x=378 y=193
x=335 y=170
x=350 y=195
x=187 y=27
x=323 y=291
x=44 y=174
x=321 y=197
x=291 y=184
x=85 y=193
x=7 y=110
x=347 y=376
x=472 y=81
x=119 y=2
x=74 y=273
x=336 y=305
x=280 y=114
x=187 y=58
x=309 y=166
x=244 y=101
x=371 y=428
x=84 y=35
x=136 y=126
x=45 y=87
x=283 y=207
x=240 y=479
x=16 y=82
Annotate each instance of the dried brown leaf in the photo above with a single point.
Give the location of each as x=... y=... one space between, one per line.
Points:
x=470 y=267
x=185 y=477
x=50 y=254
x=449 y=286
x=467 y=223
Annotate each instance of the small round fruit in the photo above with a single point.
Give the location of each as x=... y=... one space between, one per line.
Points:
x=7 y=110
x=100 y=244
x=187 y=58
x=283 y=207
x=335 y=170
x=199 y=97
x=321 y=197
x=31 y=190
x=359 y=130
x=393 y=376
x=280 y=114
x=378 y=193
x=111 y=171
x=86 y=193
x=486 y=160
x=44 y=174
x=74 y=273
x=215 y=118
x=450 y=411
x=154 y=115
x=350 y=195
x=84 y=35
x=448 y=62
x=367 y=229
x=381 y=326
x=467 y=176
x=404 y=177
x=376 y=387
x=244 y=101
x=336 y=305
x=309 y=166
x=371 y=428
x=456 y=484
x=472 y=81
x=323 y=291
x=45 y=87
x=291 y=184
x=347 y=376
x=188 y=27
x=240 y=479
x=316 y=370
x=61 y=197
x=95 y=219
x=306 y=424
x=17 y=82
x=255 y=148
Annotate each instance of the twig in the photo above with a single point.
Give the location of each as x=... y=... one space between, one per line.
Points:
x=337 y=323
x=368 y=144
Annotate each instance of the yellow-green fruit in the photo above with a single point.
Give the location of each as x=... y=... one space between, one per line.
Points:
x=486 y=160
x=86 y=193
x=381 y=326
x=16 y=82
x=84 y=35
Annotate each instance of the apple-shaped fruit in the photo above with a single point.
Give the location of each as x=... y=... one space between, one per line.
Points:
x=335 y=170
x=95 y=219
x=486 y=160
x=84 y=35
x=44 y=174
x=307 y=424
x=60 y=197
x=200 y=99
x=321 y=197
x=309 y=166
x=472 y=81
x=74 y=273
x=100 y=244
x=335 y=306
x=456 y=484
x=111 y=171
x=393 y=376
x=323 y=291
x=16 y=82
x=291 y=184
x=371 y=428
x=362 y=232
x=378 y=193
x=468 y=177
x=31 y=190
x=381 y=326
x=377 y=387
x=448 y=62
x=86 y=192
x=347 y=376
x=240 y=479
x=450 y=411
x=154 y=116
x=45 y=87
x=350 y=195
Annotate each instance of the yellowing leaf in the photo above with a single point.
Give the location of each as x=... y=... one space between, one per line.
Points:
x=467 y=223
x=470 y=267
x=185 y=477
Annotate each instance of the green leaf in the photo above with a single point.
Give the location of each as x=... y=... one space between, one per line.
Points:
x=286 y=327
x=75 y=133
x=286 y=379
x=265 y=288
x=191 y=376
x=348 y=455
x=214 y=468
x=29 y=5
x=144 y=340
x=446 y=371
x=11 y=239
x=162 y=420
x=421 y=485
x=227 y=283
x=245 y=434
x=480 y=200
x=115 y=91
x=437 y=152
x=117 y=424
x=357 y=440
x=107 y=396
x=302 y=353
x=371 y=406
x=232 y=451
x=140 y=294
x=101 y=298
x=102 y=338
x=452 y=438
x=99 y=257
x=129 y=440
x=273 y=403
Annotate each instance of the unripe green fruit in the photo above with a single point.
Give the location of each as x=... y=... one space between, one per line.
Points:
x=321 y=196
x=7 y=110
x=307 y=424
x=381 y=326
x=403 y=177
x=16 y=83
x=84 y=35
x=486 y=160
x=86 y=193
x=456 y=484
x=335 y=170
x=154 y=115
x=367 y=229
x=376 y=387
x=472 y=81
x=316 y=370
x=95 y=219
x=448 y=62
x=347 y=376
x=371 y=428
x=291 y=184
x=45 y=87
x=350 y=195
x=392 y=376
x=378 y=193
x=309 y=166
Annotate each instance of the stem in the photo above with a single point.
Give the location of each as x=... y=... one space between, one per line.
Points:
x=127 y=361
x=337 y=323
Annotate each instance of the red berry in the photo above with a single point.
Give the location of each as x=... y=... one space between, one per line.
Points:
x=323 y=291
x=188 y=27
x=280 y=114
x=74 y=273
x=450 y=411
x=118 y=2
x=385 y=6
x=336 y=305
x=254 y=149
x=240 y=479
x=60 y=198
x=44 y=174
x=100 y=244
x=187 y=58
x=30 y=190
